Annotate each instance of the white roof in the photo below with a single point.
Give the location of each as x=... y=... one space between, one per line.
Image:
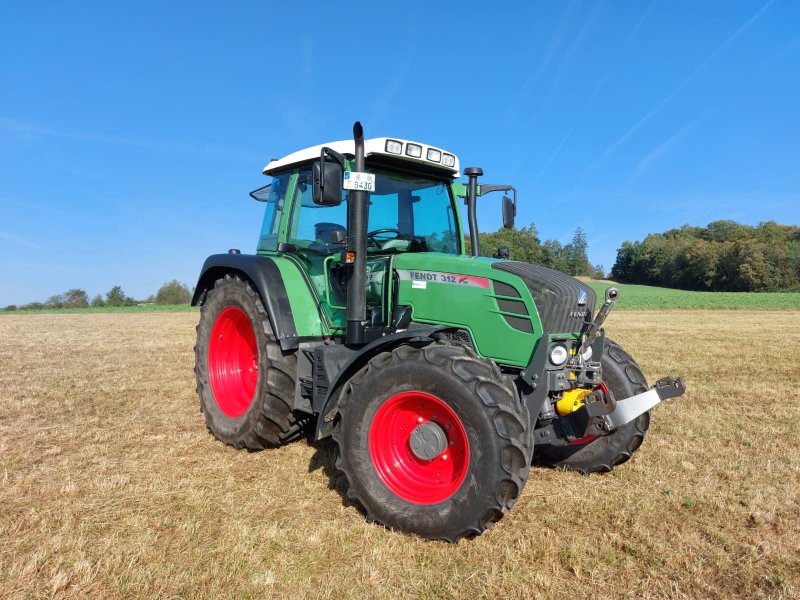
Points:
x=371 y=146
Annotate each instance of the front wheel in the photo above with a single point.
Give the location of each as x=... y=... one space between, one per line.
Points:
x=433 y=441
x=623 y=379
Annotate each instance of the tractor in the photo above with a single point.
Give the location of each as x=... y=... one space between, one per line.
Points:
x=368 y=316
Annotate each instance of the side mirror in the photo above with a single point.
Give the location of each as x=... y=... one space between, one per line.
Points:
x=509 y=212
x=326 y=178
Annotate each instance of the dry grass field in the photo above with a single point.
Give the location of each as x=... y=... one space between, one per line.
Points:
x=111 y=487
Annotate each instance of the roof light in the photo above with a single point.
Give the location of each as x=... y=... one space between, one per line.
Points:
x=414 y=150
x=434 y=155
x=448 y=160
x=394 y=147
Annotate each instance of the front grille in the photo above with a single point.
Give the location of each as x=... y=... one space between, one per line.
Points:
x=556 y=295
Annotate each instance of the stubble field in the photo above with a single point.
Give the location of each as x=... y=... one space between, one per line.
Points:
x=110 y=485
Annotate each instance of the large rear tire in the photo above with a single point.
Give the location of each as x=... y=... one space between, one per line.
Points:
x=244 y=380
x=623 y=379
x=466 y=482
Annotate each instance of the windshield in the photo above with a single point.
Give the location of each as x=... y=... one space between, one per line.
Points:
x=406 y=214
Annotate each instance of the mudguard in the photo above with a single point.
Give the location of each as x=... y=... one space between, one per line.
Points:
x=328 y=405
x=264 y=274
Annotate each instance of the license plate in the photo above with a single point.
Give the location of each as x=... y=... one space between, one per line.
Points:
x=358 y=180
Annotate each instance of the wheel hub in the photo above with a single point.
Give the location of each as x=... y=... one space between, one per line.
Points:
x=428 y=440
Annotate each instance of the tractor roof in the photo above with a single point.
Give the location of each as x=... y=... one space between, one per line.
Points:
x=392 y=148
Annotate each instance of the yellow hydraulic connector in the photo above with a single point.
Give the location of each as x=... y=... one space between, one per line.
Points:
x=571 y=401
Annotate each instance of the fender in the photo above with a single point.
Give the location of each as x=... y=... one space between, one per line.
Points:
x=265 y=276
x=328 y=407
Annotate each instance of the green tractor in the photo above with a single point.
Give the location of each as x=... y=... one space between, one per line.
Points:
x=441 y=376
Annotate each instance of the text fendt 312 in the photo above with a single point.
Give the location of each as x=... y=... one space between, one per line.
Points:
x=442 y=376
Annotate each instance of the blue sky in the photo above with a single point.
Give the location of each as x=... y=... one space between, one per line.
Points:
x=131 y=133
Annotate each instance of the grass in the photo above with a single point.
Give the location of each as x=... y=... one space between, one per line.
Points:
x=631 y=297
x=111 y=487
x=136 y=308
x=647 y=297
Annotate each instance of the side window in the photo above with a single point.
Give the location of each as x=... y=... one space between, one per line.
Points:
x=312 y=224
x=274 y=196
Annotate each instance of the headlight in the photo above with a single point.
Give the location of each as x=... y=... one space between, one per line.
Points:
x=414 y=150
x=587 y=354
x=558 y=355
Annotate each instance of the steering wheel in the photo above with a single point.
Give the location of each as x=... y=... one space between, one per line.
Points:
x=376 y=232
x=372 y=236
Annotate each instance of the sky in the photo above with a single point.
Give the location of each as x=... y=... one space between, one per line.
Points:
x=132 y=132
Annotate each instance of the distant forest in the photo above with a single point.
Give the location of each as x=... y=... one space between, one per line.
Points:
x=724 y=256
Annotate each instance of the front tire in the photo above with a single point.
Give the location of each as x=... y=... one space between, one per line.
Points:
x=623 y=379
x=244 y=380
x=462 y=486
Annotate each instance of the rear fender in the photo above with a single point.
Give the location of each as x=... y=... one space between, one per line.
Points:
x=264 y=275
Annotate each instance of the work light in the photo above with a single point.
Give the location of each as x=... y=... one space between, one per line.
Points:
x=414 y=150
x=394 y=147
x=434 y=155
x=448 y=160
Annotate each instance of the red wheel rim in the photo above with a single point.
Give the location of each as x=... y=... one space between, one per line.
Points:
x=233 y=361
x=590 y=438
x=406 y=475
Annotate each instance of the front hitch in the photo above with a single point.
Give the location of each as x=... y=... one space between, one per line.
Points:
x=601 y=414
x=628 y=409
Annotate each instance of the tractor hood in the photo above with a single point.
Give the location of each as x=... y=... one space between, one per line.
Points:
x=563 y=302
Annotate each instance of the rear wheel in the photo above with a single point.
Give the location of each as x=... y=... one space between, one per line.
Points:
x=244 y=380
x=622 y=378
x=433 y=441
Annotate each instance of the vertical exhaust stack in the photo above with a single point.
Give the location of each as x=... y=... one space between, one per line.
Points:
x=472 y=200
x=358 y=214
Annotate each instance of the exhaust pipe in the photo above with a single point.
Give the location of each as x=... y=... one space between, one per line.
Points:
x=357 y=218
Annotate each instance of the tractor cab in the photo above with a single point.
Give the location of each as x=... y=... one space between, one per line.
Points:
x=411 y=209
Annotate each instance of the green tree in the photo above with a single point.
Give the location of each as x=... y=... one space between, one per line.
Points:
x=54 y=301
x=173 y=292
x=116 y=297
x=98 y=300
x=76 y=298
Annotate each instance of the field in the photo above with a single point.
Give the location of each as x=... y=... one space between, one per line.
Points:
x=649 y=298
x=110 y=485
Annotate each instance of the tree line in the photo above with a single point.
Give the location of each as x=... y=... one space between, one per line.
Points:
x=723 y=256
x=172 y=292
x=524 y=245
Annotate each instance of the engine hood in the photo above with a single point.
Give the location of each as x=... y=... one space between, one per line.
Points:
x=563 y=302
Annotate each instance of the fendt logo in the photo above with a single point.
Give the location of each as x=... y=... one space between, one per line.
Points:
x=581 y=297
x=578 y=314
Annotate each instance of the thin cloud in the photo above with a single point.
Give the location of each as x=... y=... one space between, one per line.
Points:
x=669 y=97
x=546 y=58
x=663 y=148
x=577 y=119
x=15 y=239
x=33 y=132
x=308 y=57
x=643 y=18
